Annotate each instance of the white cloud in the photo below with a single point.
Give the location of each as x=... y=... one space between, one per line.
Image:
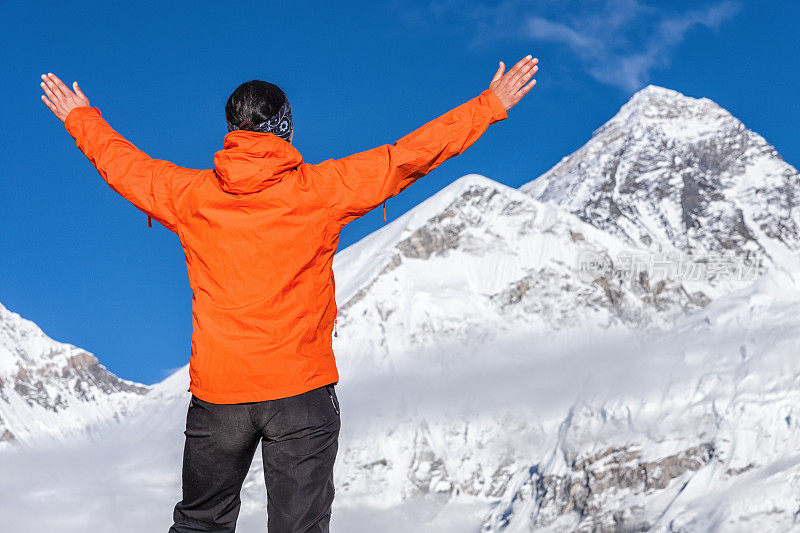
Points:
x=618 y=42
x=629 y=67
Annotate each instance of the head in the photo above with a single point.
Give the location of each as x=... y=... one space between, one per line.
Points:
x=260 y=106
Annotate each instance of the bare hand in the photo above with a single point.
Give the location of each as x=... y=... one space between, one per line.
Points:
x=59 y=98
x=509 y=88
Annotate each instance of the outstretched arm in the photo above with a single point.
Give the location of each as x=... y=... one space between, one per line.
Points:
x=354 y=185
x=152 y=185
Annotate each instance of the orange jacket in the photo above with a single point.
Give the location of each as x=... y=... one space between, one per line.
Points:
x=259 y=232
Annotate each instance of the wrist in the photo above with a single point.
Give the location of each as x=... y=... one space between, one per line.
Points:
x=76 y=114
x=499 y=111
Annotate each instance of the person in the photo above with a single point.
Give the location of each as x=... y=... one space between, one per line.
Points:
x=259 y=232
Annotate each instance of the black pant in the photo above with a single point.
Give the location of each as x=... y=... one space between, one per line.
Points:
x=299 y=439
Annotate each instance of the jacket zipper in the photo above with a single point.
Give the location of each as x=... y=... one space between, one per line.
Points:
x=330 y=395
x=335 y=331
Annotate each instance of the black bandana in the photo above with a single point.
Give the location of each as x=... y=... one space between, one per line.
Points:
x=280 y=124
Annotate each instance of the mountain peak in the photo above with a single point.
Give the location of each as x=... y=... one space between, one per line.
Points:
x=654 y=95
x=656 y=91
x=370 y=254
x=673 y=173
x=669 y=110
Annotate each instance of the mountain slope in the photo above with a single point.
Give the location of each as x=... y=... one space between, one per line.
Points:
x=478 y=260
x=53 y=390
x=711 y=446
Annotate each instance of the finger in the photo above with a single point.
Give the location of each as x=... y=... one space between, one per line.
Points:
x=521 y=63
x=524 y=90
x=49 y=104
x=499 y=73
x=525 y=76
x=78 y=91
x=60 y=84
x=522 y=76
x=50 y=94
x=521 y=72
x=55 y=92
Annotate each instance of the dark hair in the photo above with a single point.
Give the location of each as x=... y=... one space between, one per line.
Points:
x=253 y=102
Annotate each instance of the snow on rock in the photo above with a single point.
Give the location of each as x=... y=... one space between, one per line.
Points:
x=53 y=390
x=677 y=174
x=713 y=446
x=480 y=259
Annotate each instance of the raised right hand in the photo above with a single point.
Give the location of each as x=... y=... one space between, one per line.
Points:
x=511 y=88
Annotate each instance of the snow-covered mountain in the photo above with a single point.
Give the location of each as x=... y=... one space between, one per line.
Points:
x=693 y=429
x=671 y=179
x=53 y=390
x=677 y=174
x=506 y=366
x=479 y=260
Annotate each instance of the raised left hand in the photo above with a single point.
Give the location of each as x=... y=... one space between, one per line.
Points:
x=59 y=98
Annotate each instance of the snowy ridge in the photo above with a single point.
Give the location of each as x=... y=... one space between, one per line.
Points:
x=53 y=390
x=481 y=260
x=369 y=255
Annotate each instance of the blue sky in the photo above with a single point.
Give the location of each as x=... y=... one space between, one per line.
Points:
x=81 y=262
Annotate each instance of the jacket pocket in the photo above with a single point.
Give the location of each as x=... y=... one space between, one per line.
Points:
x=198 y=419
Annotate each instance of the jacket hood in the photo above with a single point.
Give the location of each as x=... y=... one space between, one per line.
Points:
x=251 y=161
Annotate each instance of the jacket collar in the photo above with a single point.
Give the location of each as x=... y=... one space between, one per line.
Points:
x=251 y=161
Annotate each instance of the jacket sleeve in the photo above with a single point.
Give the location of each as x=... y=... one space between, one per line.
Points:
x=152 y=185
x=354 y=185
